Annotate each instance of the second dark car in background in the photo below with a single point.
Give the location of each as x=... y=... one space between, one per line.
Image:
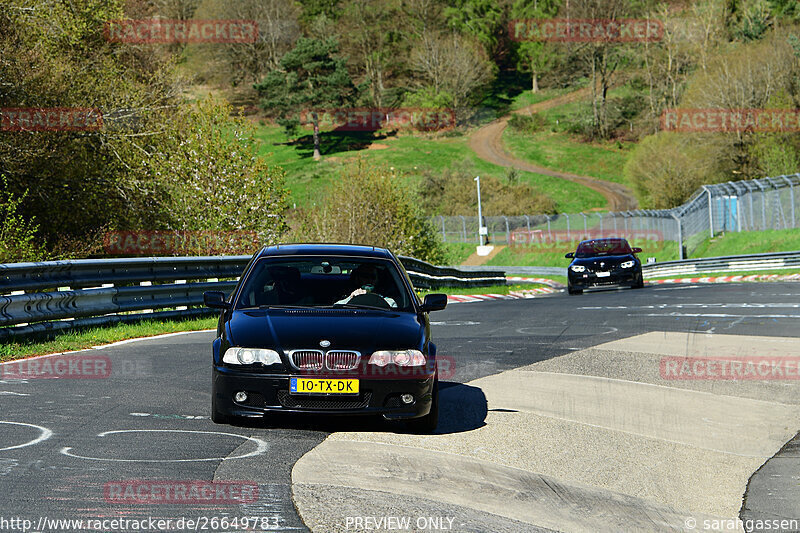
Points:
x=604 y=262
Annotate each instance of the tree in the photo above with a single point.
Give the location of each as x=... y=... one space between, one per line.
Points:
x=368 y=205
x=373 y=37
x=248 y=62
x=155 y=164
x=535 y=57
x=451 y=65
x=602 y=57
x=311 y=78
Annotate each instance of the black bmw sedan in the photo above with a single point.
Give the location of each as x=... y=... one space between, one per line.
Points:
x=601 y=262
x=325 y=329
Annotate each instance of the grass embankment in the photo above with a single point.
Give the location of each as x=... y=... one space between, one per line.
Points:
x=554 y=147
x=410 y=155
x=81 y=340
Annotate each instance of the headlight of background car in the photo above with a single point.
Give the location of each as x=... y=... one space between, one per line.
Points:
x=398 y=357
x=627 y=264
x=248 y=356
x=577 y=268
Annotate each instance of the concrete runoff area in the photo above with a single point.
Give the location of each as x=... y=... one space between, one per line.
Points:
x=594 y=440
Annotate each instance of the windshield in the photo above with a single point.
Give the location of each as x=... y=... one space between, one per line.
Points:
x=324 y=282
x=600 y=247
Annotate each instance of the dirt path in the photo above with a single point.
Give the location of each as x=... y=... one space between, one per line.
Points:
x=475 y=259
x=487 y=143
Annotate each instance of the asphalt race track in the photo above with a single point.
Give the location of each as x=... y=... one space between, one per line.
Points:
x=556 y=416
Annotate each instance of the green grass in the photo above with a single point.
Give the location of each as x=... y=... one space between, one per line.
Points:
x=554 y=147
x=67 y=342
x=409 y=154
x=494 y=289
x=749 y=242
x=458 y=252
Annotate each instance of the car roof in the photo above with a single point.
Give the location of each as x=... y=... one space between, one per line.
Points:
x=606 y=239
x=325 y=249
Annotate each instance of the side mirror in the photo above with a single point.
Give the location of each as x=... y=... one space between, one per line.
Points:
x=434 y=302
x=570 y=255
x=215 y=300
x=636 y=250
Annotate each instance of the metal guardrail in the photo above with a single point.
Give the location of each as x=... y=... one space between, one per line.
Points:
x=731 y=263
x=46 y=297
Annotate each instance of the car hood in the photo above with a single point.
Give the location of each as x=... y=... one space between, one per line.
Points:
x=361 y=330
x=607 y=261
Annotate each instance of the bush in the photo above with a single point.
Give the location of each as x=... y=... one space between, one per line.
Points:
x=453 y=192
x=367 y=205
x=527 y=123
x=17 y=235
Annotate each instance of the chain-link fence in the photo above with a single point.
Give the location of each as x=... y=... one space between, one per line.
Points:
x=754 y=205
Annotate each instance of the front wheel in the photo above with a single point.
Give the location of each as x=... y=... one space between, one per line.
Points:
x=427 y=423
x=639 y=284
x=216 y=416
x=571 y=290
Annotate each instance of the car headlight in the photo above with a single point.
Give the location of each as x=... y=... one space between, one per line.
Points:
x=248 y=356
x=627 y=264
x=398 y=357
x=578 y=268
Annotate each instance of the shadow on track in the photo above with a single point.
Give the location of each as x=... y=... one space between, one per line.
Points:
x=461 y=408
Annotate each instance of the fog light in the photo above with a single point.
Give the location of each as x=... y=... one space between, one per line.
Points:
x=407 y=398
x=240 y=397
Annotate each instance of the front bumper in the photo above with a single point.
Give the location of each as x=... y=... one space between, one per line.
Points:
x=269 y=393
x=584 y=280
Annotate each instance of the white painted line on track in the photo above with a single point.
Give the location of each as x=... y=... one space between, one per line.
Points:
x=712 y=315
x=45 y=434
x=261 y=447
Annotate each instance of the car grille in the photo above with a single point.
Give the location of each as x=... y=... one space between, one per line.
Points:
x=341 y=360
x=296 y=402
x=307 y=359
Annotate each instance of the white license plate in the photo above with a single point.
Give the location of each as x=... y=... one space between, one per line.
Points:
x=603 y=274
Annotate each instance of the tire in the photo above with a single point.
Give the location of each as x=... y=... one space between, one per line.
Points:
x=570 y=290
x=217 y=417
x=427 y=423
x=640 y=283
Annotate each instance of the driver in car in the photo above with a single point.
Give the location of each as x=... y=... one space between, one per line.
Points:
x=365 y=278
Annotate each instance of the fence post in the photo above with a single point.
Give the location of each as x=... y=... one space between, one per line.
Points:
x=585 y=227
x=528 y=223
x=601 y=223
x=680 y=236
x=791 y=197
x=463 y=228
x=508 y=231
x=549 y=233
x=444 y=233
x=568 y=237
x=710 y=212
